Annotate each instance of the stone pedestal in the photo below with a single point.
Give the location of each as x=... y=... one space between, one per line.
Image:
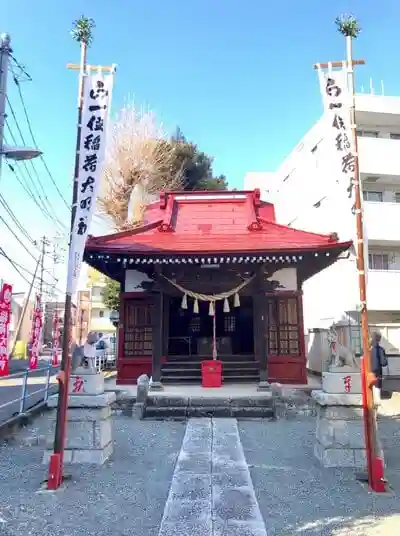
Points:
x=342 y=381
x=89 y=432
x=340 y=430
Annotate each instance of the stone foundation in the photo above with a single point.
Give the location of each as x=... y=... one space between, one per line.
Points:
x=342 y=382
x=340 y=430
x=89 y=432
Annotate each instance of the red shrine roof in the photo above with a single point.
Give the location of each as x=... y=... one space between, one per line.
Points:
x=211 y=222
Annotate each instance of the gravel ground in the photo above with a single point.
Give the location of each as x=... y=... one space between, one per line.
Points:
x=128 y=495
x=125 y=497
x=299 y=498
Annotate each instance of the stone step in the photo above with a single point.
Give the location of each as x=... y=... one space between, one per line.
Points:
x=241 y=378
x=200 y=358
x=263 y=401
x=187 y=412
x=179 y=365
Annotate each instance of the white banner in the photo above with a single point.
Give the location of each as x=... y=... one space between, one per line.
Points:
x=335 y=97
x=95 y=113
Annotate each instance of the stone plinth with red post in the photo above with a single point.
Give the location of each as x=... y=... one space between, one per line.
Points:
x=340 y=428
x=89 y=432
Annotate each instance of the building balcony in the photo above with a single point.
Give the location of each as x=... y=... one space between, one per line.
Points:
x=375 y=110
x=382 y=222
x=379 y=156
x=97 y=302
x=383 y=290
x=101 y=324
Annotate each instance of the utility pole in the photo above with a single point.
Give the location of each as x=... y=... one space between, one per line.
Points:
x=44 y=242
x=5 y=52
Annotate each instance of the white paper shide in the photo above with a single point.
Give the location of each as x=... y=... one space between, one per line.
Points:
x=95 y=113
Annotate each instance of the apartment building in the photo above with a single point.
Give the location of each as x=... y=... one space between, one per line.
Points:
x=309 y=195
x=99 y=316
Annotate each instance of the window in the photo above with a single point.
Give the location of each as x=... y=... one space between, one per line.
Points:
x=378 y=261
x=373 y=196
x=101 y=314
x=283 y=326
x=368 y=133
x=395 y=136
x=138 y=335
x=397 y=197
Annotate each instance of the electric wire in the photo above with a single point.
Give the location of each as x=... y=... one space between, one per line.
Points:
x=16 y=81
x=42 y=195
x=18 y=239
x=31 y=189
x=13 y=264
x=12 y=215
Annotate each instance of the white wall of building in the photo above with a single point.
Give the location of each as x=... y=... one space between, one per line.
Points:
x=308 y=194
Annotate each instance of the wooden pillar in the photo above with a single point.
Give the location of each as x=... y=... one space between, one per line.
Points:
x=165 y=327
x=260 y=329
x=302 y=339
x=157 y=337
x=120 y=332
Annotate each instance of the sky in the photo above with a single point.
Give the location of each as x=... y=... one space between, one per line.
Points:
x=235 y=75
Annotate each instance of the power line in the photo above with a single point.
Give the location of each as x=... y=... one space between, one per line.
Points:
x=34 y=193
x=6 y=206
x=18 y=267
x=17 y=238
x=13 y=264
x=16 y=81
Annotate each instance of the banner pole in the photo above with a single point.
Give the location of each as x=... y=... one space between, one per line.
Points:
x=374 y=463
x=374 y=476
x=55 y=476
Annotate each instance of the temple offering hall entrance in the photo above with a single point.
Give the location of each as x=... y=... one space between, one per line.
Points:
x=191 y=340
x=190 y=334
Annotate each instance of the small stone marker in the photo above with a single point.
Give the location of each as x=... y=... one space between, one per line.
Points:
x=139 y=407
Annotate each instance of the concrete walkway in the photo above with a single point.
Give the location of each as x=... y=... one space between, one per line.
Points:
x=216 y=477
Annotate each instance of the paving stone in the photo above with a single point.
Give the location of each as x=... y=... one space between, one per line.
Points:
x=194 y=463
x=191 y=487
x=238 y=528
x=198 y=528
x=231 y=478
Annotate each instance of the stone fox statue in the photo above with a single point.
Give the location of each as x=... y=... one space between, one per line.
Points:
x=340 y=355
x=85 y=356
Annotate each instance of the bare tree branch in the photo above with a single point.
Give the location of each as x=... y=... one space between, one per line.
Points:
x=139 y=165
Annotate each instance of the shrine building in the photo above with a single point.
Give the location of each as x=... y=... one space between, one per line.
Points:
x=211 y=274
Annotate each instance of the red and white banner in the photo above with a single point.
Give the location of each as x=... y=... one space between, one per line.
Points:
x=56 y=339
x=37 y=324
x=5 y=318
